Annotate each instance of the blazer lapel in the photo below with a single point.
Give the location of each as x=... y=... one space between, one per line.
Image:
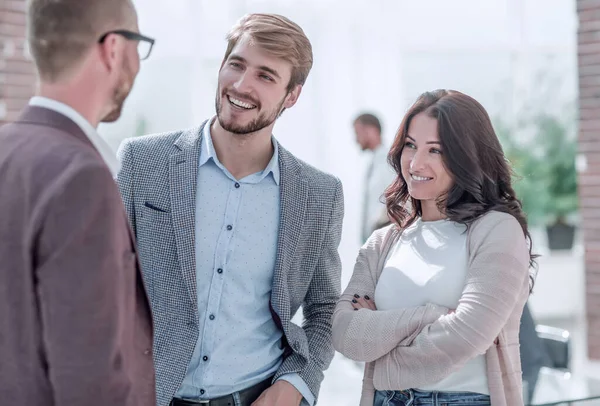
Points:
x=183 y=174
x=293 y=192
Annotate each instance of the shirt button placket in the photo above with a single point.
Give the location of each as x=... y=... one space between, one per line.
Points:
x=229 y=227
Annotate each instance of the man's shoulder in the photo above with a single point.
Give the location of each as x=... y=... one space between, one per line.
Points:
x=153 y=152
x=154 y=142
x=167 y=141
x=315 y=177
x=48 y=150
x=318 y=176
x=53 y=165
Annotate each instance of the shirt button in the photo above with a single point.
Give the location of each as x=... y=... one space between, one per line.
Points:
x=147 y=352
x=202 y=391
x=237 y=185
x=229 y=227
x=219 y=270
x=212 y=317
x=205 y=358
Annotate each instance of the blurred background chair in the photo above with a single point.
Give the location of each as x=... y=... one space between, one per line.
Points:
x=533 y=351
x=557 y=344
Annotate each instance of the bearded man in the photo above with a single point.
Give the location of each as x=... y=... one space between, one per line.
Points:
x=235 y=234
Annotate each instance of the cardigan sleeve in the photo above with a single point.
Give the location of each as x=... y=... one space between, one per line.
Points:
x=366 y=335
x=497 y=282
x=367 y=395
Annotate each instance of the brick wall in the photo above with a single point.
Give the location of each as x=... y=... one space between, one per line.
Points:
x=17 y=75
x=589 y=145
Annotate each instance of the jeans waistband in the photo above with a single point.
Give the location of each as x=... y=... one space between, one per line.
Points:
x=410 y=397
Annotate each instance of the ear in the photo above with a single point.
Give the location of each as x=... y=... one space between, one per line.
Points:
x=112 y=52
x=292 y=97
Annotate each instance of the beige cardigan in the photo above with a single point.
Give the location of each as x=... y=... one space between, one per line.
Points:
x=412 y=347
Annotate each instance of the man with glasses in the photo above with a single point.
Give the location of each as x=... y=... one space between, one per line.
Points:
x=75 y=322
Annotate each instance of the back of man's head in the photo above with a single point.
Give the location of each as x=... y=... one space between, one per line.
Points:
x=62 y=32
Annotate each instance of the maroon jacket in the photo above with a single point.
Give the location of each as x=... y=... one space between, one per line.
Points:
x=75 y=323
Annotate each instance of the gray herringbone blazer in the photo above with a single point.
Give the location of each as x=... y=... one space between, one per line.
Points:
x=160 y=171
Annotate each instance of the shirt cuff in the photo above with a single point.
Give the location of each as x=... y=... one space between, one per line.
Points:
x=301 y=386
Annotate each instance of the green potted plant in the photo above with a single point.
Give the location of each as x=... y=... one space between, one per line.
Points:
x=529 y=181
x=543 y=158
x=559 y=149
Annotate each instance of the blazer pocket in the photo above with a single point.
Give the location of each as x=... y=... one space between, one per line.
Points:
x=154 y=215
x=156 y=208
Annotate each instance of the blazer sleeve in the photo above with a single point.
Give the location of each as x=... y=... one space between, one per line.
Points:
x=497 y=282
x=323 y=292
x=125 y=181
x=84 y=259
x=366 y=335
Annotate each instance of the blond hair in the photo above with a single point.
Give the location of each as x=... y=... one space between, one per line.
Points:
x=280 y=37
x=60 y=32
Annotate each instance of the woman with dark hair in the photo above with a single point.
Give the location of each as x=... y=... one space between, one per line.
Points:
x=434 y=304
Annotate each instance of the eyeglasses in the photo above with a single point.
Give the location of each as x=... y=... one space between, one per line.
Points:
x=145 y=44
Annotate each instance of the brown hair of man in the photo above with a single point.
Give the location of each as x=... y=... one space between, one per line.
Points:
x=61 y=32
x=370 y=120
x=278 y=36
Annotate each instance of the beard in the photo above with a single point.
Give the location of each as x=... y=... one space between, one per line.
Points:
x=120 y=94
x=263 y=120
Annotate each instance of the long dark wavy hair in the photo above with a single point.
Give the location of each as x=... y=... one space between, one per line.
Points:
x=471 y=153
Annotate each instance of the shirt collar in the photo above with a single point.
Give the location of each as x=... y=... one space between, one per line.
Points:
x=105 y=151
x=207 y=151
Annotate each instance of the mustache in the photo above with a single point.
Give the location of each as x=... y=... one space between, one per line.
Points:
x=241 y=96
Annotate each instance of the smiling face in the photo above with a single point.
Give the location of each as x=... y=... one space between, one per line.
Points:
x=252 y=89
x=422 y=165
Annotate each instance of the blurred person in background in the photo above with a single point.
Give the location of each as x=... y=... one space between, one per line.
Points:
x=235 y=234
x=378 y=177
x=435 y=301
x=75 y=322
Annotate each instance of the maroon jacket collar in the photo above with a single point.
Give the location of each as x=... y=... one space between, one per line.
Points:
x=49 y=118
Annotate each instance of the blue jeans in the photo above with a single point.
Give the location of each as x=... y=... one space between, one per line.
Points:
x=412 y=397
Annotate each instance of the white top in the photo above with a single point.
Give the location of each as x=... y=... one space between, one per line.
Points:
x=378 y=177
x=106 y=152
x=428 y=264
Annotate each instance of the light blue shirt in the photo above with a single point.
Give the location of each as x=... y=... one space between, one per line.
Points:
x=237 y=225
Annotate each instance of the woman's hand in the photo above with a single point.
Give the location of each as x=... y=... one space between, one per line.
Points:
x=360 y=302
